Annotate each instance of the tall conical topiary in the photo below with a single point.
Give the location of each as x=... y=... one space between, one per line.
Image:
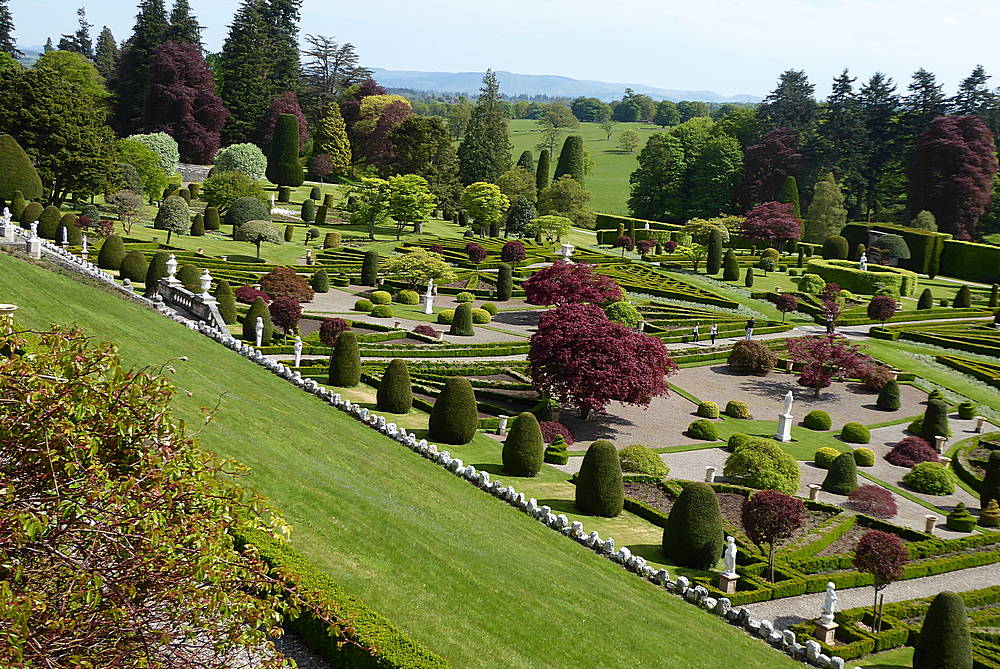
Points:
x=212 y=219
x=345 y=362
x=995 y=296
x=17 y=205
x=505 y=282
x=320 y=281
x=714 y=260
x=17 y=171
x=227 y=301
x=369 y=268
x=543 y=170
x=693 y=534
x=395 y=392
x=926 y=300
x=198 y=226
x=599 y=488
x=842 y=478
x=461 y=324
x=571 y=160
x=748 y=278
x=963 y=298
x=258 y=308
x=944 y=641
x=133 y=267
x=48 y=222
x=308 y=210
x=156 y=270
x=790 y=195
x=455 y=415
x=730 y=267
x=524 y=448
x=283 y=166
x=991 y=481
x=935 y=422
x=888 y=397
x=112 y=253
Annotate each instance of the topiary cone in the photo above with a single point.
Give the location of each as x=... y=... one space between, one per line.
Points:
x=748 y=279
x=227 y=301
x=888 y=397
x=505 y=282
x=395 y=392
x=198 y=226
x=944 y=641
x=926 y=300
x=693 y=535
x=935 y=422
x=991 y=481
x=212 y=219
x=599 y=487
x=112 y=253
x=842 y=477
x=369 y=268
x=455 y=415
x=156 y=270
x=258 y=308
x=524 y=448
x=320 y=281
x=461 y=325
x=963 y=298
x=48 y=222
x=133 y=267
x=730 y=267
x=345 y=361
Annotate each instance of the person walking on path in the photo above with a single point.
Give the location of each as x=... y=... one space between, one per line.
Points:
x=714 y=331
x=750 y=326
x=694 y=334
x=829 y=324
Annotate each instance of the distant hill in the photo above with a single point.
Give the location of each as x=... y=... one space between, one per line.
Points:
x=513 y=84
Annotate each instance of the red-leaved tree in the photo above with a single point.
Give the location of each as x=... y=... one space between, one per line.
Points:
x=951 y=174
x=286 y=103
x=565 y=283
x=768 y=164
x=786 y=304
x=824 y=357
x=769 y=516
x=873 y=500
x=321 y=166
x=513 y=252
x=624 y=243
x=285 y=313
x=881 y=308
x=771 y=222
x=476 y=253
x=645 y=247
x=247 y=295
x=330 y=329
x=882 y=555
x=586 y=361
x=181 y=101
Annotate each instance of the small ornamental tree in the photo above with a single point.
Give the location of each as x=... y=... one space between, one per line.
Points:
x=505 y=283
x=824 y=357
x=476 y=253
x=227 y=301
x=881 y=308
x=771 y=222
x=414 y=268
x=395 y=392
x=246 y=158
x=884 y=556
x=564 y=283
x=286 y=282
x=646 y=246
x=693 y=534
x=761 y=463
x=523 y=450
x=345 y=362
x=285 y=313
x=873 y=500
x=322 y=166
x=625 y=313
x=173 y=216
x=599 y=487
x=330 y=329
x=751 y=356
x=513 y=252
x=624 y=243
x=583 y=360
x=944 y=641
x=257 y=232
x=769 y=516
x=454 y=417
x=786 y=303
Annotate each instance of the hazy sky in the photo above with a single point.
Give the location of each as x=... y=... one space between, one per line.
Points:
x=728 y=46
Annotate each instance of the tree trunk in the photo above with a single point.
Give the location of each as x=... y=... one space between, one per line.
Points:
x=770 y=563
x=258 y=250
x=169 y=232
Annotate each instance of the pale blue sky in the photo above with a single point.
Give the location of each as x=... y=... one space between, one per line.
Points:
x=728 y=46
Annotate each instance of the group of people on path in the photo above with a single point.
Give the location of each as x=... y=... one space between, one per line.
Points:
x=752 y=323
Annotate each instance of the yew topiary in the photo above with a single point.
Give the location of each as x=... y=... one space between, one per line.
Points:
x=888 y=397
x=761 y=463
x=708 y=410
x=133 y=267
x=944 y=641
x=190 y=276
x=825 y=456
x=48 y=222
x=639 y=459
x=320 y=281
x=523 y=450
x=156 y=270
x=835 y=247
x=395 y=392
x=990 y=514
x=462 y=323
x=308 y=210
x=817 y=419
x=227 y=301
x=30 y=214
x=730 y=267
x=112 y=253
x=212 y=220
x=454 y=417
x=991 y=481
x=855 y=433
x=369 y=268
x=960 y=519
x=963 y=298
x=926 y=300
x=380 y=297
x=738 y=409
x=843 y=475
x=557 y=453
x=693 y=534
x=198 y=226
x=864 y=457
x=258 y=308
x=505 y=282
x=935 y=420
x=17 y=171
x=345 y=362
x=283 y=166
x=599 y=487
x=381 y=311
x=703 y=429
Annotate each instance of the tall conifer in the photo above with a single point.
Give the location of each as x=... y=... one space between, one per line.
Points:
x=184 y=26
x=485 y=152
x=330 y=137
x=106 y=53
x=282 y=17
x=244 y=71
x=131 y=77
x=8 y=44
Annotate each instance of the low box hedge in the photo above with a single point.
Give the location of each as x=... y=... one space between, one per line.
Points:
x=846 y=274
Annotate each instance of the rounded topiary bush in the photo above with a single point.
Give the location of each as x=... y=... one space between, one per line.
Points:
x=48 y=222
x=133 y=267
x=738 y=409
x=864 y=457
x=407 y=297
x=490 y=308
x=395 y=392
x=817 y=419
x=190 y=276
x=944 y=641
x=888 y=397
x=639 y=459
x=331 y=240
x=246 y=209
x=212 y=219
x=30 y=214
x=855 y=433
x=363 y=305
x=599 y=487
x=842 y=477
x=446 y=316
x=708 y=410
x=930 y=478
x=320 y=281
x=926 y=300
x=481 y=316
x=455 y=415
x=308 y=210
x=761 y=463
x=967 y=410
x=464 y=297
x=380 y=297
x=17 y=171
x=462 y=323
x=751 y=357
x=198 y=226
x=381 y=311
x=960 y=519
x=835 y=247
x=738 y=440
x=156 y=270
x=693 y=535
x=812 y=284
x=345 y=362
x=112 y=253
x=910 y=451
x=523 y=450
x=825 y=456
x=703 y=429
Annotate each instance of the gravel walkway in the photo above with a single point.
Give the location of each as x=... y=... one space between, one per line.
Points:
x=791 y=610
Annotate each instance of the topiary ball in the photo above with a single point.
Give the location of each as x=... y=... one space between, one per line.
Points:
x=380 y=297
x=381 y=311
x=134 y=267
x=703 y=429
x=843 y=475
x=967 y=410
x=825 y=456
x=523 y=450
x=855 y=433
x=407 y=297
x=599 y=487
x=464 y=297
x=363 y=305
x=639 y=459
x=446 y=316
x=864 y=457
x=708 y=410
x=930 y=478
x=481 y=316
x=817 y=419
x=490 y=308
x=737 y=409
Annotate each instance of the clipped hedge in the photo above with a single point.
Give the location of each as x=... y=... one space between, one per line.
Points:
x=846 y=274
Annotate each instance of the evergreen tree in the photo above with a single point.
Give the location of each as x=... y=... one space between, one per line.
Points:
x=842 y=478
x=827 y=215
x=840 y=139
x=454 y=417
x=526 y=161
x=542 y=172
x=422 y=146
x=693 y=535
x=524 y=448
x=974 y=96
x=106 y=53
x=926 y=300
x=790 y=195
x=599 y=487
x=243 y=73
x=924 y=221
x=282 y=17
x=714 y=261
x=79 y=42
x=519 y=218
x=345 y=361
x=17 y=173
x=48 y=48
x=944 y=641
x=227 y=301
x=484 y=153
x=571 y=160
x=283 y=166
x=791 y=104
x=8 y=44
x=924 y=103
x=395 y=392
x=183 y=28
x=658 y=181
x=131 y=77
x=330 y=138
x=878 y=102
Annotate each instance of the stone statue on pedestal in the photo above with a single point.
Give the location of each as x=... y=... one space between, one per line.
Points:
x=729 y=556
x=863 y=262
x=829 y=604
x=259 y=329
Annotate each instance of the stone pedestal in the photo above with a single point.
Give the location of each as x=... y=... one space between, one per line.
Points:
x=33 y=247
x=784 y=433
x=825 y=631
x=502 y=431
x=727 y=582
x=428 y=303
x=929 y=523
x=979 y=424
x=940 y=443
x=814 y=489
x=7 y=233
x=710 y=474
x=789 y=365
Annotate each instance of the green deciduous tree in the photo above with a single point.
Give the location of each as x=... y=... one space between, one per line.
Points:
x=257 y=232
x=371 y=204
x=422 y=146
x=714 y=174
x=666 y=114
x=173 y=216
x=410 y=201
x=567 y=198
x=486 y=204
x=417 y=267
x=656 y=184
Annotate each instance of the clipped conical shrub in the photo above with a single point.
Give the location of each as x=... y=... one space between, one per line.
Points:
x=190 y=276
x=714 y=261
x=156 y=270
x=283 y=166
x=505 y=282
x=17 y=205
x=991 y=481
x=133 y=267
x=369 y=268
x=748 y=279
x=995 y=296
x=926 y=300
x=944 y=641
x=258 y=308
x=455 y=415
x=212 y=219
x=395 y=392
x=198 y=226
x=17 y=171
x=48 y=222
x=227 y=301
x=345 y=362
x=542 y=170
x=935 y=422
x=308 y=210
x=461 y=325
x=599 y=488
x=321 y=214
x=315 y=193
x=693 y=534
x=524 y=448
x=888 y=397
x=112 y=253
x=730 y=267
x=320 y=281
x=571 y=159
x=963 y=298
x=289 y=232
x=30 y=213
x=842 y=478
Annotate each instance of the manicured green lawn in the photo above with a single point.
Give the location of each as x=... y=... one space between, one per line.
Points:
x=461 y=572
x=897 y=658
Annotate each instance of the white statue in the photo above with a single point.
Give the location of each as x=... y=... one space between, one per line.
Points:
x=647 y=225
x=788 y=402
x=729 y=557
x=298 y=350
x=259 y=329
x=309 y=256
x=62 y=235
x=84 y=251
x=6 y=216
x=829 y=604
x=430 y=286
x=863 y=262
x=34 y=229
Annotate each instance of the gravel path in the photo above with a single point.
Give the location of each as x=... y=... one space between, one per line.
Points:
x=791 y=610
